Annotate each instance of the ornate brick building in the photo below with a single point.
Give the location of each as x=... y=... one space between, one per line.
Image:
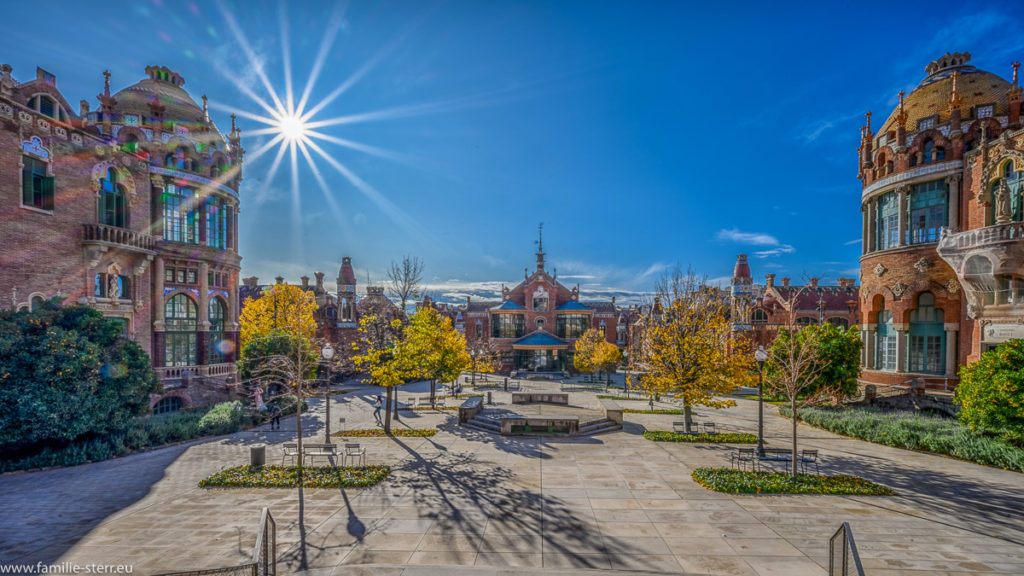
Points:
x=942 y=269
x=760 y=310
x=131 y=209
x=535 y=325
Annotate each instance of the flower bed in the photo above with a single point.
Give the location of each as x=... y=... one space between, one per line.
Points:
x=429 y=409
x=674 y=412
x=379 y=432
x=722 y=438
x=637 y=398
x=747 y=482
x=293 y=477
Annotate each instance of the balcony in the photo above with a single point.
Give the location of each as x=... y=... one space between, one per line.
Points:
x=116 y=237
x=988 y=263
x=171 y=373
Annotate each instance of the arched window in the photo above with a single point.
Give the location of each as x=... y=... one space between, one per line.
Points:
x=540 y=323
x=112 y=202
x=885 y=342
x=178 y=159
x=36 y=303
x=839 y=322
x=180 y=332
x=940 y=153
x=806 y=321
x=927 y=337
x=168 y=405
x=926 y=151
x=216 y=336
x=1015 y=183
x=927 y=211
x=978 y=277
x=759 y=317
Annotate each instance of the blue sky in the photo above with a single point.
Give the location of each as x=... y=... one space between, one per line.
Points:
x=642 y=134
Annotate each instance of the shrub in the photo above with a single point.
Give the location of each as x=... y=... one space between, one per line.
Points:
x=224 y=418
x=748 y=482
x=67 y=374
x=915 y=432
x=671 y=411
x=991 y=392
x=293 y=477
x=723 y=438
x=379 y=432
x=838 y=348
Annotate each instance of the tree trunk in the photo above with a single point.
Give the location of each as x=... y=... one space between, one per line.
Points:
x=387 y=412
x=298 y=424
x=432 y=388
x=795 y=420
x=687 y=416
x=395 y=404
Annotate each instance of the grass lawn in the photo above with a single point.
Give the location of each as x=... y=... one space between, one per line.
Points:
x=379 y=432
x=293 y=477
x=748 y=482
x=917 y=432
x=722 y=438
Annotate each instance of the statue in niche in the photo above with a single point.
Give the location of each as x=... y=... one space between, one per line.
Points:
x=113 y=287
x=1002 y=202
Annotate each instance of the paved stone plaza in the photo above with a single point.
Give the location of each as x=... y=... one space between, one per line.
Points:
x=467 y=498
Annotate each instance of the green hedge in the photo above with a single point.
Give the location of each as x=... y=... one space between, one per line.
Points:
x=293 y=477
x=723 y=438
x=748 y=482
x=915 y=432
x=140 y=434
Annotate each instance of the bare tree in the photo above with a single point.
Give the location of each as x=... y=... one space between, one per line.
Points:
x=404 y=279
x=794 y=364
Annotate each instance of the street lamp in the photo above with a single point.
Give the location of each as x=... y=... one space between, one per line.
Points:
x=472 y=354
x=760 y=355
x=327 y=353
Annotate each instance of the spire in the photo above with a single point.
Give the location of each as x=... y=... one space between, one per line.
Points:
x=233 y=118
x=1015 y=65
x=901 y=117
x=954 y=98
x=1014 y=98
x=540 y=246
x=106 y=83
x=206 y=110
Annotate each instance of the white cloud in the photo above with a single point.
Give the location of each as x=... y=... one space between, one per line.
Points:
x=755 y=238
x=776 y=251
x=852 y=242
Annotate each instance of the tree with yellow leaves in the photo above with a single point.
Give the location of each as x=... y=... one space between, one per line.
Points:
x=383 y=354
x=606 y=357
x=689 y=351
x=482 y=356
x=585 y=350
x=279 y=307
x=435 y=347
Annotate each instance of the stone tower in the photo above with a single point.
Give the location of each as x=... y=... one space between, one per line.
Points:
x=741 y=294
x=346 y=295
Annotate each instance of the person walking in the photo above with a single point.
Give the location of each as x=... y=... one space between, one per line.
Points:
x=377 y=404
x=275 y=417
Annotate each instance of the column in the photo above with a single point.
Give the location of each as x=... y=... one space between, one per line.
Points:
x=953 y=183
x=872 y=224
x=901 y=347
x=158 y=311
x=901 y=193
x=869 y=347
x=157 y=208
x=203 y=334
x=864 y=209
x=952 y=330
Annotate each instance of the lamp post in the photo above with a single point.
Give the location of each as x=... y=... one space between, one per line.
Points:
x=472 y=354
x=327 y=353
x=760 y=355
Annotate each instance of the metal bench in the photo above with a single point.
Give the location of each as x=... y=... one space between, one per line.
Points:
x=353 y=451
x=291 y=450
x=709 y=428
x=679 y=427
x=312 y=451
x=742 y=457
x=808 y=457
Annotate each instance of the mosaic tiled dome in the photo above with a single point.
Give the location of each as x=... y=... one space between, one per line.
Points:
x=165 y=85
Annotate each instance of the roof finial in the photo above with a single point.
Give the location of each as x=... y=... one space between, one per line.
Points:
x=206 y=110
x=901 y=118
x=233 y=127
x=954 y=99
x=106 y=83
x=1015 y=65
x=868 y=116
x=540 y=246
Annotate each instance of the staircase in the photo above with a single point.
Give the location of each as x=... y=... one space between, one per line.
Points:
x=594 y=427
x=482 y=423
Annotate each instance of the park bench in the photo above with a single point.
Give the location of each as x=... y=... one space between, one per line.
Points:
x=742 y=457
x=709 y=428
x=353 y=451
x=679 y=427
x=808 y=457
x=312 y=451
x=291 y=450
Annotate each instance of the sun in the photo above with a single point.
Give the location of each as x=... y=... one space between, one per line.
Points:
x=292 y=127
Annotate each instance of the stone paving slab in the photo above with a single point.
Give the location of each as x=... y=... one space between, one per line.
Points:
x=491 y=503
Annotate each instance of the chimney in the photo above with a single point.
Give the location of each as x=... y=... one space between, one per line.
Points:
x=251 y=283
x=769 y=280
x=785 y=282
x=846 y=282
x=279 y=279
x=467 y=300
x=814 y=282
x=613 y=300
x=319 y=280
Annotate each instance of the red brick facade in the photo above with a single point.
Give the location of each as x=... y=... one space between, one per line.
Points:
x=83 y=196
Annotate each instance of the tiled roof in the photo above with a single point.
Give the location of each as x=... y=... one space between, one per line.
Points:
x=834 y=297
x=572 y=305
x=539 y=339
x=975 y=87
x=509 y=305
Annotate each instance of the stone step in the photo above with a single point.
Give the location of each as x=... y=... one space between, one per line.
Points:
x=417 y=570
x=483 y=426
x=598 y=427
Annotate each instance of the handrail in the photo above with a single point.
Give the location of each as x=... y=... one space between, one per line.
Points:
x=264 y=555
x=847 y=562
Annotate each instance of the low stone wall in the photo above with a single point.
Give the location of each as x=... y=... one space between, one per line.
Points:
x=612 y=410
x=470 y=408
x=522 y=425
x=534 y=397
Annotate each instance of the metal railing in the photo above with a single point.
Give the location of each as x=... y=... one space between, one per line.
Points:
x=843 y=559
x=264 y=556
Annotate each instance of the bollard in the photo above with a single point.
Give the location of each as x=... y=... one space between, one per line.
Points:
x=258 y=455
x=506 y=384
x=489 y=401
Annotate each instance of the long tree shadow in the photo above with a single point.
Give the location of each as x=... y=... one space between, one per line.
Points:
x=462 y=494
x=988 y=509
